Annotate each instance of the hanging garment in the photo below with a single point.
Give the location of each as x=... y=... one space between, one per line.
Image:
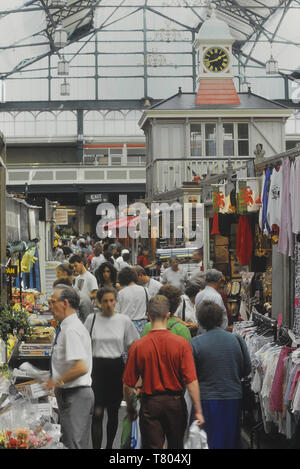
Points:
x=215 y=225
x=244 y=241
x=276 y=397
x=267 y=180
x=249 y=198
x=295 y=195
x=260 y=215
x=274 y=202
x=296 y=327
x=286 y=237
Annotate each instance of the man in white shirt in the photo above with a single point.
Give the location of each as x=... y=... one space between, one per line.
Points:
x=213 y=279
x=198 y=258
x=122 y=261
x=71 y=367
x=84 y=280
x=152 y=285
x=175 y=275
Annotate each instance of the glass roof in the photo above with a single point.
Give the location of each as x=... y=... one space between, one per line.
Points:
x=134 y=49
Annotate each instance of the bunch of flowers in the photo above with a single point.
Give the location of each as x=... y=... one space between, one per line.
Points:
x=13 y=321
x=23 y=439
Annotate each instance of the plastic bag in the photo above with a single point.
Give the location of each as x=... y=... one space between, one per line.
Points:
x=197 y=438
x=135 y=441
x=126 y=433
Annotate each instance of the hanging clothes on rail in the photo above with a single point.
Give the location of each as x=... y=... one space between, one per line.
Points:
x=274 y=202
x=295 y=195
x=286 y=237
x=264 y=225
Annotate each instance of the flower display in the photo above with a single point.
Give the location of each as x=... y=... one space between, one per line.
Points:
x=23 y=439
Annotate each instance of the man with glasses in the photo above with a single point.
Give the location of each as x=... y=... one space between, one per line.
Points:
x=71 y=366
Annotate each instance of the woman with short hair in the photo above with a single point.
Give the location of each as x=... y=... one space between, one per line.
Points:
x=221 y=360
x=112 y=334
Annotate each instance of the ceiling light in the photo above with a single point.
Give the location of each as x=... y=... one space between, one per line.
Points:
x=63 y=67
x=65 y=88
x=60 y=37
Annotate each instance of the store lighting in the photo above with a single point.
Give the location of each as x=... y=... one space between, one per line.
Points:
x=271 y=65
x=65 y=88
x=60 y=37
x=63 y=67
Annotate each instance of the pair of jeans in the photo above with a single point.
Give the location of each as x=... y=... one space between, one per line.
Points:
x=163 y=416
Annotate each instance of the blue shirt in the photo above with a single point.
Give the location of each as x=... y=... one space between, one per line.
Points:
x=221 y=360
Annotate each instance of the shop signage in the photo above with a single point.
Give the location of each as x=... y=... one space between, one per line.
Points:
x=12 y=271
x=96 y=198
x=61 y=217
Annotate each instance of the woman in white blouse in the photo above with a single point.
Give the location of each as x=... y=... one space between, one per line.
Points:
x=112 y=334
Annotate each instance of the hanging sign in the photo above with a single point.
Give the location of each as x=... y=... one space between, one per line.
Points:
x=61 y=217
x=96 y=198
x=12 y=271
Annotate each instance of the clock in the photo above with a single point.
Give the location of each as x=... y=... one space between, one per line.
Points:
x=216 y=59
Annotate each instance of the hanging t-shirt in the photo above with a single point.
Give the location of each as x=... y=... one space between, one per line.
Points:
x=274 y=202
x=265 y=225
x=295 y=195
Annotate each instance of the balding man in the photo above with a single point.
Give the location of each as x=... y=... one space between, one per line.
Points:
x=213 y=279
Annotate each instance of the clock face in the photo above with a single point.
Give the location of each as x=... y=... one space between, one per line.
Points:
x=216 y=59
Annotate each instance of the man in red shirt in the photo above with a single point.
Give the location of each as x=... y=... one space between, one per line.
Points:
x=165 y=363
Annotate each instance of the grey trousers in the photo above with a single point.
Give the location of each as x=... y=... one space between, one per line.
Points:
x=76 y=406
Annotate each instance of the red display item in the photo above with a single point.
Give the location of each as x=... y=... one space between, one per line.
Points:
x=244 y=241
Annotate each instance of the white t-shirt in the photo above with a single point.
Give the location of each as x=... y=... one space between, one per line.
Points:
x=122 y=264
x=274 y=200
x=190 y=310
x=86 y=283
x=96 y=262
x=73 y=343
x=176 y=278
x=210 y=294
x=132 y=301
x=111 y=336
x=153 y=287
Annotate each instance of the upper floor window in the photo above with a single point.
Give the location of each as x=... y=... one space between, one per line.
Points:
x=235 y=139
x=203 y=139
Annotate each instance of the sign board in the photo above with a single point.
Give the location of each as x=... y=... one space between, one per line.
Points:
x=12 y=271
x=96 y=198
x=61 y=217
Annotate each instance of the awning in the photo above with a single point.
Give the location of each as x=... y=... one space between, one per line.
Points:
x=123 y=222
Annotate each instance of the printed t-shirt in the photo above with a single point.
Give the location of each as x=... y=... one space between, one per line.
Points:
x=163 y=360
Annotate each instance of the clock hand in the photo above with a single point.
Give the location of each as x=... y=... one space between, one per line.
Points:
x=218 y=58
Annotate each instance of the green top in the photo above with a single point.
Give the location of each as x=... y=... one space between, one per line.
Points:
x=177 y=329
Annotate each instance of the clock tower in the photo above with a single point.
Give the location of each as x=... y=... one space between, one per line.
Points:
x=215 y=65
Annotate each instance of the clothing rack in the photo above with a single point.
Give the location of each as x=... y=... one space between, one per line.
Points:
x=261 y=320
x=275 y=161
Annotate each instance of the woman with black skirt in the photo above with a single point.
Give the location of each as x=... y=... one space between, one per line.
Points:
x=112 y=334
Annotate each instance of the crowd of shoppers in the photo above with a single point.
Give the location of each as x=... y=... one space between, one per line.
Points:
x=123 y=334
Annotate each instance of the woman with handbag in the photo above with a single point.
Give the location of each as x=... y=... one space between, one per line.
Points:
x=221 y=360
x=112 y=334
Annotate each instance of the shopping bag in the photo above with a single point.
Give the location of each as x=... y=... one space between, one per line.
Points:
x=126 y=433
x=197 y=438
x=136 y=441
